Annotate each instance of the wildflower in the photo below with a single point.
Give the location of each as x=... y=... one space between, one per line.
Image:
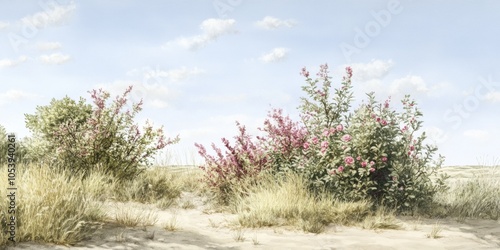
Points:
x=331 y=172
x=372 y=170
x=305 y=72
x=349 y=71
x=340 y=127
x=383 y=122
x=346 y=138
x=349 y=160
x=324 y=146
x=363 y=164
x=372 y=163
x=386 y=104
x=358 y=158
x=315 y=140
x=326 y=132
x=340 y=169
x=384 y=159
x=404 y=129
x=412 y=148
x=305 y=145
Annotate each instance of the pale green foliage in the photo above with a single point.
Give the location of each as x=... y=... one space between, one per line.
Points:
x=372 y=153
x=103 y=136
x=20 y=150
x=47 y=120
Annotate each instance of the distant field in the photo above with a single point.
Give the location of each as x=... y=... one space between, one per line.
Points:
x=468 y=172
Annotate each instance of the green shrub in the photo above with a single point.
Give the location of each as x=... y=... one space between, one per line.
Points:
x=103 y=136
x=370 y=153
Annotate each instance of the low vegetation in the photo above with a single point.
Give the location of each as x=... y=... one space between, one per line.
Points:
x=337 y=166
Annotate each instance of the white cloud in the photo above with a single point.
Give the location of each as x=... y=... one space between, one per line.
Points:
x=174 y=75
x=57 y=15
x=49 y=46
x=222 y=98
x=375 y=69
x=154 y=95
x=4 y=25
x=409 y=84
x=276 y=54
x=158 y=103
x=55 y=58
x=476 y=134
x=211 y=30
x=12 y=63
x=15 y=95
x=271 y=23
x=493 y=96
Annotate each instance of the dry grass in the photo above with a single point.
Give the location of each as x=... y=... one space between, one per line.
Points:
x=54 y=208
x=287 y=202
x=172 y=223
x=133 y=217
x=435 y=232
x=381 y=219
x=64 y=210
x=474 y=197
x=151 y=186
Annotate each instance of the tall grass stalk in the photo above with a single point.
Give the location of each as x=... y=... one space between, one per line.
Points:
x=477 y=197
x=52 y=207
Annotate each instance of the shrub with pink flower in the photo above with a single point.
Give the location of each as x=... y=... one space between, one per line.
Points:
x=340 y=169
x=372 y=132
x=340 y=127
x=85 y=137
x=349 y=160
x=346 y=138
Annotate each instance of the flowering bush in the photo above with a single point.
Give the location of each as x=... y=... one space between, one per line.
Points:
x=372 y=152
x=283 y=140
x=47 y=120
x=107 y=138
x=238 y=163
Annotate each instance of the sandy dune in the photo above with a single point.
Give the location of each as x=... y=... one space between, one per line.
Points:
x=198 y=228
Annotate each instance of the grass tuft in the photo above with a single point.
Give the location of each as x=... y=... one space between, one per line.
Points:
x=287 y=202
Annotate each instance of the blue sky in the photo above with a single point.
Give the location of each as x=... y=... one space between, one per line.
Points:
x=202 y=65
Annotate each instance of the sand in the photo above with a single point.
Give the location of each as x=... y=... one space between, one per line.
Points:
x=201 y=228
